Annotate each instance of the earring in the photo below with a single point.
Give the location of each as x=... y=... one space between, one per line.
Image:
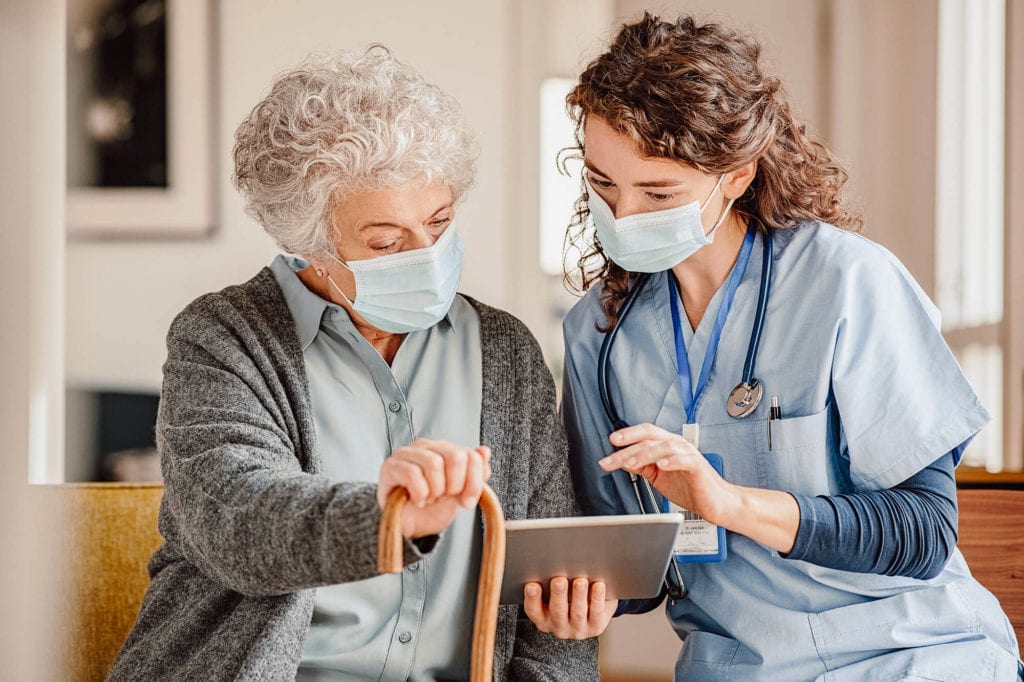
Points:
x=319 y=272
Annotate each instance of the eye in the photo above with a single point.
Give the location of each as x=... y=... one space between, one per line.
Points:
x=384 y=248
x=440 y=223
x=654 y=196
x=599 y=182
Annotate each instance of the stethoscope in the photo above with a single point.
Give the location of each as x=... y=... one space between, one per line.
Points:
x=742 y=401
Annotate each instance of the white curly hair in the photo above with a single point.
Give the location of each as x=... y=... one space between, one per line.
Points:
x=343 y=122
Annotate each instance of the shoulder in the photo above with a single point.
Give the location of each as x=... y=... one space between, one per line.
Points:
x=500 y=328
x=852 y=265
x=255 y=308
x=580 y=328
x=511 y=354
x=828 y=246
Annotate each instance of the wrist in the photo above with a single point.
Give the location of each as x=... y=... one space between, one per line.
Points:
x=770 y=517
x=736 y=509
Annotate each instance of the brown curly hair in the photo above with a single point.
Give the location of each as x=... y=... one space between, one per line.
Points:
x=696 y=93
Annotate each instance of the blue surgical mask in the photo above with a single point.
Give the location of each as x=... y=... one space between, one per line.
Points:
x=407 y=291
x=654 y=241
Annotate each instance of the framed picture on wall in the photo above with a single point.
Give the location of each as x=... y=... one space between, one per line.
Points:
x=140 y=119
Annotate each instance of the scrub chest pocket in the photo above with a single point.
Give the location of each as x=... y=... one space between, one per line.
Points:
x=803 y=457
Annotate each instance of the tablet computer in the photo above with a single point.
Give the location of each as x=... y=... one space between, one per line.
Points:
x=630 y=553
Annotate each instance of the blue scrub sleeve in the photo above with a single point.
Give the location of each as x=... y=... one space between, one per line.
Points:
x=903 y=400
x=909 y=530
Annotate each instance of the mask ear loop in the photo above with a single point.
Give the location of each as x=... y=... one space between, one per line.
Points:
x=340 y=292
x=725 y=211
x=721 y=218
x=713 y=190
x=324 y=273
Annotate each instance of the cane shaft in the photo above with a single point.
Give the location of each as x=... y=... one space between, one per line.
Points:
x=492 y=564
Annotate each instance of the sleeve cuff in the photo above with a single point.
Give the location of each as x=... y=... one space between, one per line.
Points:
x=809 y=523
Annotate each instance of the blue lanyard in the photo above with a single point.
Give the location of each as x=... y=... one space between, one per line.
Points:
x=690 y=397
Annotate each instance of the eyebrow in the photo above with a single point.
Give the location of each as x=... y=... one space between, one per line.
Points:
x=651 y=183
x=446 y=207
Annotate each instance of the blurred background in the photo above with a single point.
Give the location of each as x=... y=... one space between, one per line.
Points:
x=119 y=116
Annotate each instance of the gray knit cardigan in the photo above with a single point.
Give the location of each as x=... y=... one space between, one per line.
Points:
x=251 y=528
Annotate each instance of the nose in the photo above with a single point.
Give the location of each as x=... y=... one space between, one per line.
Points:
x=421 y=239
x=625 y=205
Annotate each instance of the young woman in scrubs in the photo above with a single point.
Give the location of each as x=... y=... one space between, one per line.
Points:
x=840 y=506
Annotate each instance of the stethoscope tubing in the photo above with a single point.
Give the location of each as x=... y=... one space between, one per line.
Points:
x=606 y=347
x=762 y=307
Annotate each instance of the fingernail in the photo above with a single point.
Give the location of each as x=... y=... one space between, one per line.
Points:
x=532 y=590
x=616 y=437
x=662 y=463
x=605 y=462
x=630 y=462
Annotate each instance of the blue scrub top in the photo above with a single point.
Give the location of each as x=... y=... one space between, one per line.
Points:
x=870 y=395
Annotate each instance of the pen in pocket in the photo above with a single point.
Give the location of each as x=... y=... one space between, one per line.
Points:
x=774 y=412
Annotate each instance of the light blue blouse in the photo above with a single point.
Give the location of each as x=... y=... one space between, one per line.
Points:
x=415 y=625
x=870 y=395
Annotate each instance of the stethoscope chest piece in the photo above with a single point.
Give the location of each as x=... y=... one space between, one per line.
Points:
x=744 y=399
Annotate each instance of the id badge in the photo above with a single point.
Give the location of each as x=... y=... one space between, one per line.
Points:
x=699 y=541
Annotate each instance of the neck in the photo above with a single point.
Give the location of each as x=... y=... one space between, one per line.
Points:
x=385 y=343
x=702 y=274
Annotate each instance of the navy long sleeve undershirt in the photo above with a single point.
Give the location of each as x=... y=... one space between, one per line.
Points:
x=908 y=530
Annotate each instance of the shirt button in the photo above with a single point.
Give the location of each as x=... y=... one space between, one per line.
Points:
x=395 y=406
x=405 y=638
x=414 y=566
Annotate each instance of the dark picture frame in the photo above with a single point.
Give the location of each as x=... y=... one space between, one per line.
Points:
x=128 y=190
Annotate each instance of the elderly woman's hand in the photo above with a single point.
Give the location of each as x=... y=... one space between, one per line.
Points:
x=440 y=476
x=579 y=613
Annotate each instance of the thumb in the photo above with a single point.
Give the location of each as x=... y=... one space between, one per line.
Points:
x=650 y=472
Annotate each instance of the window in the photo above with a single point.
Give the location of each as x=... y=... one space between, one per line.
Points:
x=558 y=192
x=970 y=201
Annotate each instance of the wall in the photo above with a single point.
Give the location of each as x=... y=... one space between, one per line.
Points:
x=883 y=116
x=31 y=231
x=121 y=296
x=551 y=39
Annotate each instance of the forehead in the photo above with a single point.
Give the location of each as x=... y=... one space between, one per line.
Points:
x=404 y=205
x=616 y=154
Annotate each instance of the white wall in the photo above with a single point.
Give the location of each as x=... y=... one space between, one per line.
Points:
x=31 y=229
x=883 y=116
x=121 y=296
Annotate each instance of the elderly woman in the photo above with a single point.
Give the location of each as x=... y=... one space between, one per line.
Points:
x=293 y=403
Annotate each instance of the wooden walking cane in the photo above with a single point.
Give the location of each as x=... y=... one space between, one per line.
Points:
x=492 y=566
